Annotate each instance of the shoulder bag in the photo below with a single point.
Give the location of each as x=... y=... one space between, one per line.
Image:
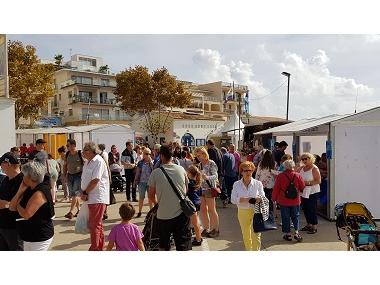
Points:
x=187 y=206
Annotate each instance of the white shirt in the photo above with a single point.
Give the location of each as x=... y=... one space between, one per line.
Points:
x=96 y=168
x=309 y=190
x=254 y=189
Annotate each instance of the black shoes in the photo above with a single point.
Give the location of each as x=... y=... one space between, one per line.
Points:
x=197 y=243
x=138 y=215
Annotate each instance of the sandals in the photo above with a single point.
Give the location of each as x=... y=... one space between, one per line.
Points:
x=305 y=229
x=312 y=231
x=298 y=237
x=287 y=237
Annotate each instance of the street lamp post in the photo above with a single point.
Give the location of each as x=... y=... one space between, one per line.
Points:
x=287 y=100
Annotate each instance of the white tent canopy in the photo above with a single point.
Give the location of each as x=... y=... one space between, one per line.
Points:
x=231 y=128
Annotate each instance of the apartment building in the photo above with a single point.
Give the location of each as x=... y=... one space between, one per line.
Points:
x=84 y=93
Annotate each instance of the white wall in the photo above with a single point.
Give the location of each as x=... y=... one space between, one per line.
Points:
x=317 y=144
x=113 y=135
x=200 y=129
x=357 y=166
x=7 y=125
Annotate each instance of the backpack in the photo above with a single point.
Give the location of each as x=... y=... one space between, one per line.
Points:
x=80 y=156
x=291 y=192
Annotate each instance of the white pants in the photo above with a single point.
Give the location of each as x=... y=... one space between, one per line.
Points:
x=37 y=246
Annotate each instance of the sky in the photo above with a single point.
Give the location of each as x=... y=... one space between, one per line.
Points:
x=330 y=74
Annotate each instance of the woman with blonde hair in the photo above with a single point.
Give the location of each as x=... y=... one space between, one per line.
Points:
x=245 y=194
x=209 y=215
x=312 y=178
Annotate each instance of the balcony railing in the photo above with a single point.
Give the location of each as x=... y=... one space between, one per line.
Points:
x=82 y=99
x=94 y=83
x=236 y=86
x=104 y=117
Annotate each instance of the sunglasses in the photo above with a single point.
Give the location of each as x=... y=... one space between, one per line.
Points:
x=305 y=158
x=247 y=170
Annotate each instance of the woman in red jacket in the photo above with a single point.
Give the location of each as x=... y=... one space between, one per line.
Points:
x=286 y=192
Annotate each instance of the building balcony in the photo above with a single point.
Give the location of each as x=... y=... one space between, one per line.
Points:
x=102 y=117
x=93 y=83
x=236 y=86
x=82 y=99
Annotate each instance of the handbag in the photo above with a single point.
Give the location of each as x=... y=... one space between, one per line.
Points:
x=185 y=203
x=259 y=225
x=81 y=224
x=215 y=191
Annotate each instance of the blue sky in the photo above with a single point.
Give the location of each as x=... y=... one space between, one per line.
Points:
x=327 y=70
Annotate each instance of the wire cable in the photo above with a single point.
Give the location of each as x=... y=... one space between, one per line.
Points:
x=270 y=93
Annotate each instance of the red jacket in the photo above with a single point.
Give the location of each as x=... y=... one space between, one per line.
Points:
x=282 y=183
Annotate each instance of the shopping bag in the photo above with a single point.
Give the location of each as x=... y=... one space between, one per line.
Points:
x=81 y=224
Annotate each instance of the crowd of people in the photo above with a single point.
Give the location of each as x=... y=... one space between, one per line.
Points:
x=267 y=179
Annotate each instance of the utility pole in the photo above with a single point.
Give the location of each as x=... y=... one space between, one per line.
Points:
x=287 y=74
x=239 y=96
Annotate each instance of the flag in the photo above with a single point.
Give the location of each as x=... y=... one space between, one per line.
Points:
x=246 y=102
x=229 y=95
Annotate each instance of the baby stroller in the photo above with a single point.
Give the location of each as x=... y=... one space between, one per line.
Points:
x=151 y=234
x=360 y=228
x=117 y=182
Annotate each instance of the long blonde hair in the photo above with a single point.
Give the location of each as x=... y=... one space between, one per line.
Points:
x=194 y=171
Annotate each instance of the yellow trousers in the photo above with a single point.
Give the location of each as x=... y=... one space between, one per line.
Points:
x=252 y=240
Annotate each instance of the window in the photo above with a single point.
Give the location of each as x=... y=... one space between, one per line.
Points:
x=103 y=98
x=105 y=82
x=70 y=112
x=82 y=80
x=87 y=61
x=59 y=96
x=70 y=94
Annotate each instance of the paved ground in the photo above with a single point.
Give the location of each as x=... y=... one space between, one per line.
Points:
x=229 y=240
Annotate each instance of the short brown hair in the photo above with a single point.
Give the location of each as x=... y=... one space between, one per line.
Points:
x=246 y=164
x=127 y=211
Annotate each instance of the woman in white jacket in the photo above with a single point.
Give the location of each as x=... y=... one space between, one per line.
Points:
x=245 y=193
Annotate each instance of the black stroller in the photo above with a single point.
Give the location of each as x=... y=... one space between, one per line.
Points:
x=117 y=182
x=150 y=231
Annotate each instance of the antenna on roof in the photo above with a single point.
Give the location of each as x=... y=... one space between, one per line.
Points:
x=356 y=103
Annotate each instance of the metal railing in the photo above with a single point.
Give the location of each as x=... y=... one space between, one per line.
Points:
x=94 y=82
x=83 y=99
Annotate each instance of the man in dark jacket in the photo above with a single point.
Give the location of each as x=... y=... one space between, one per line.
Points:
x=216 y=155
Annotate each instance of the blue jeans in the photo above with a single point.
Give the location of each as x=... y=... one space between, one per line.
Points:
x=73 y=184
x=290 y=213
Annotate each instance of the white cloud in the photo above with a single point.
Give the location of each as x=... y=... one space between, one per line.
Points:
x=314 y=91
x=372 y=38
x=212 y=68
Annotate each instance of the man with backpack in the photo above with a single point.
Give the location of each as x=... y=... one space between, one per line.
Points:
x=73 y=171
x=170 y=217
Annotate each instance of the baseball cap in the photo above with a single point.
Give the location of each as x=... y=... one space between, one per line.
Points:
x=39 y=141
x=10 y=158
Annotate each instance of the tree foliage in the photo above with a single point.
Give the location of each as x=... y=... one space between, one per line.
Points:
x=153 y=94
x=58 y=59
x=104 y=69
x=30 y=82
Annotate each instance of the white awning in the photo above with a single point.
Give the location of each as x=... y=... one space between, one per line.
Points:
x=302 y=125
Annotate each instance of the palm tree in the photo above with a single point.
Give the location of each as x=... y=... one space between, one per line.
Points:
x=58 y=59
x=103 y=69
